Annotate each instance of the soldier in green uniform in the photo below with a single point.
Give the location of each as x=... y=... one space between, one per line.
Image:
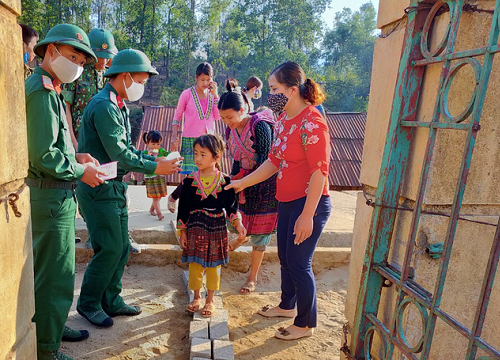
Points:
x=78 y=93
x=105 y=134
x=53 y=169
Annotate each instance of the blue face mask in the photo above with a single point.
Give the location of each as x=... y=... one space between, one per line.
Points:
x=26 y=57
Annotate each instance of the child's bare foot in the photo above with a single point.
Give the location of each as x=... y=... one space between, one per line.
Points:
x=152 y=210
x=161 y=217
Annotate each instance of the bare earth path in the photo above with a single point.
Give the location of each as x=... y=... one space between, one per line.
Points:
x=161 y=331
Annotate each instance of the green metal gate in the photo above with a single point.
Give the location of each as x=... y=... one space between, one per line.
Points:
x=377 y=272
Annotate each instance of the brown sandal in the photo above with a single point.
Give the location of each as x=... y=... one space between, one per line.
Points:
x=171 y=204
x=248 y=287
x=236 y=243
x=208 y=310
x=194 y=306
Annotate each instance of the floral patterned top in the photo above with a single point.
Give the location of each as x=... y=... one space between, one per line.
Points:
x=301 y=146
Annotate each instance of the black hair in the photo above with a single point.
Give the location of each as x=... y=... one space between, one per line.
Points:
x=291 y=74
x=205 y=69
x=233 y=98
x=28 y=33
x=152 y=136
x=213 y=143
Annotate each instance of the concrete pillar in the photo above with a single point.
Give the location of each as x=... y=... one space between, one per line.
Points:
x=473 y=242
x=17 y=332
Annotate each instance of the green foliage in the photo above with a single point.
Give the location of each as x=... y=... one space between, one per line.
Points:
x=240 y=38
x=348 y=53
x=135 y=118
x=169 y=96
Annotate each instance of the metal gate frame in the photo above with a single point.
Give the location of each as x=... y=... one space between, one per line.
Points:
x=416 y=55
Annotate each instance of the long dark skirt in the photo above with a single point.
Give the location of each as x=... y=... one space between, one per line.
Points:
x=207 y=242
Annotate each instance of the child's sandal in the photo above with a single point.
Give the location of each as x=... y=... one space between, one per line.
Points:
x=171 y=204
x=194 y=306
x=208 y=310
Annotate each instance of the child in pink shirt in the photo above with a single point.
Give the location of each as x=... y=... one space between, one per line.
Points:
x=198 y=104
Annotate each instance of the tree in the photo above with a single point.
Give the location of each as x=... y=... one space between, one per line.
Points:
x=348 y=53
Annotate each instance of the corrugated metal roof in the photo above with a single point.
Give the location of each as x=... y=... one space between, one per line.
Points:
x=347 y=132
x=160 y=118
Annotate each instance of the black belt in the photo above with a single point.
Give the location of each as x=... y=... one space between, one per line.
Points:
x=118 y=178
x=50 y=184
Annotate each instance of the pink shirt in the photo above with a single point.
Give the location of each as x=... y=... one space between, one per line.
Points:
x=193 y=126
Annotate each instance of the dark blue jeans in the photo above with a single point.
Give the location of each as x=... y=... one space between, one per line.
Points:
x=298 y=286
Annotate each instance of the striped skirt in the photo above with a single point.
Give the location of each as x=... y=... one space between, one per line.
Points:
x=207 y=242
x=156 y=186
x=187 y=152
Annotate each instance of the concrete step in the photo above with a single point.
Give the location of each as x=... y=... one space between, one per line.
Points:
x=239 y=260
x=166 y=236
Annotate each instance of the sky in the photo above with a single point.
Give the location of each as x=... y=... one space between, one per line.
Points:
x=338 y=5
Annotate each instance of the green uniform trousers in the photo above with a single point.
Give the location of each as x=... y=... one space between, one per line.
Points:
x=53 y=229
x=106 y=214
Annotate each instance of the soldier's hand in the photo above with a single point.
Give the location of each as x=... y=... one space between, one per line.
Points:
x=91 y=175
x=84 y=158
x=167 y=167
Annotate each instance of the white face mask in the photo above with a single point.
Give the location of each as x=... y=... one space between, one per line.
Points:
x=64 y=69
x=135 y=91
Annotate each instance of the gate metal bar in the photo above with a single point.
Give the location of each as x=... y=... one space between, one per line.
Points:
x=416 y=55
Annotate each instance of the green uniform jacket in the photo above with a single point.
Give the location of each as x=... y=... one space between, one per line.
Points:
x=79 y=93
x=50 y=151
x=105 y=134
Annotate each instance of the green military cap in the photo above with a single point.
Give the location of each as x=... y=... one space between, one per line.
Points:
x=130 y=61
x=103 y=43
x=67 y=34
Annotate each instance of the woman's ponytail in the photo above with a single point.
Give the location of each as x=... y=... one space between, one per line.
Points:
x=231 y=84
x=311 y=92
x=234 y=98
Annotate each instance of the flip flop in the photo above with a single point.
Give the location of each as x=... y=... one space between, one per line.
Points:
x=208 y=310
x=270 y=312
x=248 y=287
x=193 y=306
x=284 y=334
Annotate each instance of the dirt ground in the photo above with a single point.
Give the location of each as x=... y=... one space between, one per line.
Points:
x=162 y=330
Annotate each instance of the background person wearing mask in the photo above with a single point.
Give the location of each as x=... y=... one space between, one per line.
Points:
x=53 y=168
x=105 y=133
x=30 y=38
x=253 y=90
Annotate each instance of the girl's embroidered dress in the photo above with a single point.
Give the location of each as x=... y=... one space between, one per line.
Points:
x=199 y=119
x=258 y=204
x=202 y=205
